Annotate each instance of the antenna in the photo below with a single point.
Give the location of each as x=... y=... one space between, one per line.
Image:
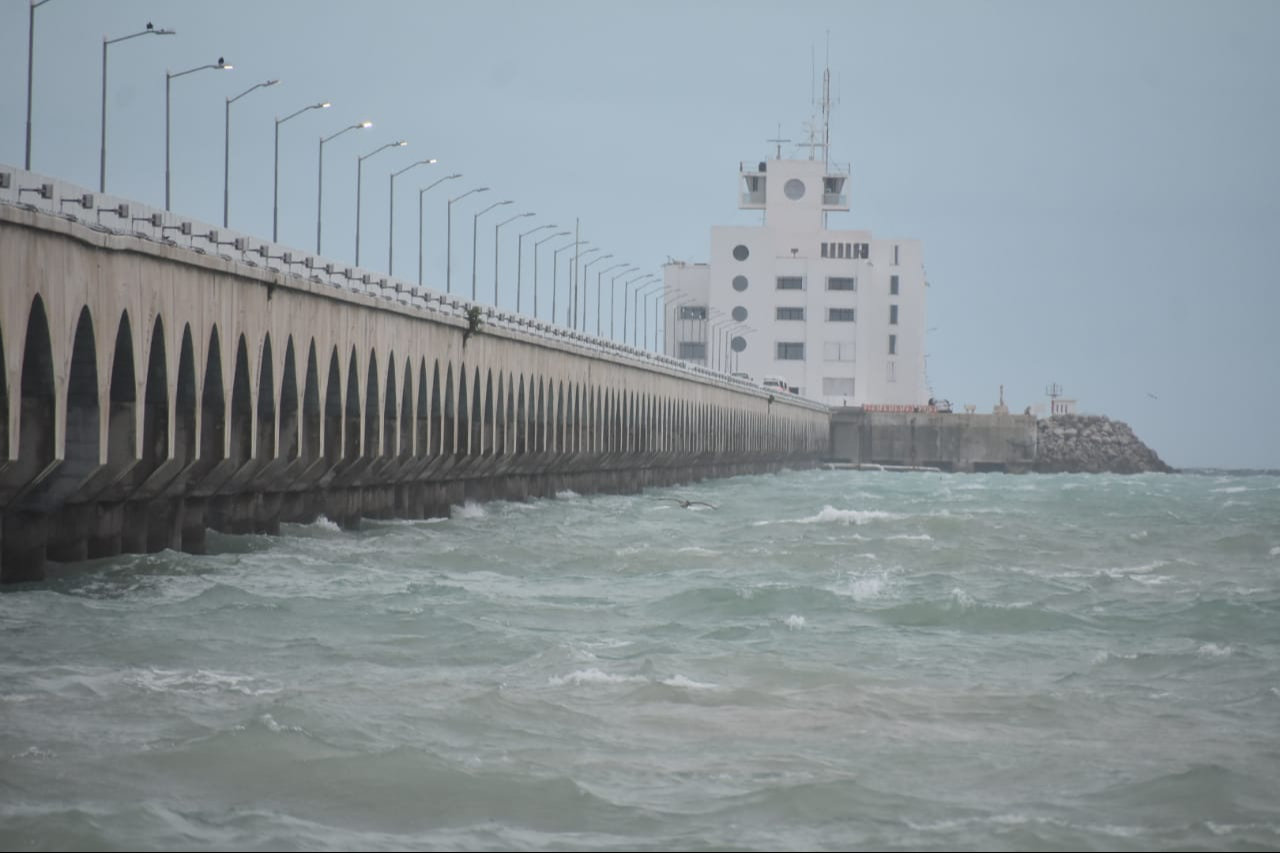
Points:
x=778 y=140
x=1053 y=390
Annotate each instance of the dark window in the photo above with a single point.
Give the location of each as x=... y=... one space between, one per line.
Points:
x=840 y=315
x=693 y=312
x=893 y=315
x=862 y=250
x=790 y=282
x=740 y=252
x=790 y=351
x=895 y=256
x=893 y=285
x=693 y=350
x=824 y=249
x=893 y=345
x=789 y=314
x=739 y=313
x=842 y=283
x=739 y=283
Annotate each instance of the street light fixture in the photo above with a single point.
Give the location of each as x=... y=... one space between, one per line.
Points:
x=613 y=284
x=359 y=177
x=421 y=192
x=475 y=220
x=220 y=65
x=635 y=314
x=275 y=203
x=555 y=259
x=320 y=178
x=448 y=263
x=535 y=266
x=391 y=218
x=102 y=160
x=226 y=149
x=520 y=261
x=495 y=251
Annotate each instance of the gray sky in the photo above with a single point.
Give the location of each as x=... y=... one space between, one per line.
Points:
x=1096 y=185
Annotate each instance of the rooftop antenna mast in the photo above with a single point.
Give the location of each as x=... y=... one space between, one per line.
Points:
x=826 y=105
x=778 y=141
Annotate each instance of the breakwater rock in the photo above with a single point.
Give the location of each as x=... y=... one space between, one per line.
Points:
x=1092 y=444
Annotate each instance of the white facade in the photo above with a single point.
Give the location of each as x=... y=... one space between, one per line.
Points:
x=838 y=314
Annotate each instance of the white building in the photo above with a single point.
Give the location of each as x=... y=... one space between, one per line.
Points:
x=838 y=314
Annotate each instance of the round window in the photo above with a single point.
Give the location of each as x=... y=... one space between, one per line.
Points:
x=739 y=343
x=739 y=283
x=740 y=252
x=739 y=313
x=793 y=189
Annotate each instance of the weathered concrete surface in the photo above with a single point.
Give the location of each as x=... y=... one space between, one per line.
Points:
x=151 y=391
x=1093 y=444
x=948 y=441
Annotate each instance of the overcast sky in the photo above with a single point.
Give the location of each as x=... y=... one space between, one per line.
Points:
x=1096 y=184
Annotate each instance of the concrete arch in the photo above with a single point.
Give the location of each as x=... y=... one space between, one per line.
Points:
x=311 y=414
x=464 y=413
x=333 y=410
x=522 y=421
x=289 y=442
x=213 y=407
x=241 y=449
x=83 y=411
x=449 y=424
x=122 y=395
x=371 y=409
x=4 y=404
x=155 y=406
x=186 y=409
x=37 y=417
x=351 y=411
x=405 y=449
x=502 y=425
x=478 y=442
x=490 y=424
x=265 y=438
x=422 y=445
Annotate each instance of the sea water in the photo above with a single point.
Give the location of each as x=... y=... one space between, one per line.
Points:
x=825 y=660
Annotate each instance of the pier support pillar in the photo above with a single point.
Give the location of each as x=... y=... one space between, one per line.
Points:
x=133 y=532
x=104 y=535
x=22 y=547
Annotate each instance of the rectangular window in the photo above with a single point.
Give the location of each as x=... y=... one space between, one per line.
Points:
x=785 y=313
x=895 y=256
x=840 y=250
x=790 y=351
x=693 y=351
x=891 y=371
x=837 y=386
x=790 y=282
x=693 y=312
x=824 y=249
x=840 y=315
x=837 y=351
x=893 y=285
x=848 y=250
x=893 y=315
x=862 y=250
x=842 y=283
x=893 y=345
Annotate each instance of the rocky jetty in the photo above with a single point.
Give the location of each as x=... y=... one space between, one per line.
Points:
x=1092 y=444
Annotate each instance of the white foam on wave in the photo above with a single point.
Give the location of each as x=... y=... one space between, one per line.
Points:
x=846 y=517
x=1103 y=657
x=1275 y=551
x=794 y=622
x=196 y=681
x=1230 y=490
x=698 y=549
x=325 y=524
x=470 y=509
x=593 y=676
x=567 y=494
x=1213 y=650
x=34 y=753
x=1141 y=534
x=921 y=537
x=678 y=680
x=861 y=588
x=272 y=726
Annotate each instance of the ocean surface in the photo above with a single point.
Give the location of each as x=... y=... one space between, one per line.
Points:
x=826 y=660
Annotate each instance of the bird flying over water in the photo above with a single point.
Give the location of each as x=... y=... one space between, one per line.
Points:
x=684 y=504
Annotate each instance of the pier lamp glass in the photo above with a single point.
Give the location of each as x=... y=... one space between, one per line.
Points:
x=793 y=189
x=740 y=252
x=739 y=313
x=739 y=343
x=740 y=281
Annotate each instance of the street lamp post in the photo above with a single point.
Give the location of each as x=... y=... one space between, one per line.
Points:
x=475 y=220
x=495 y=251
x=658 y=295
x=320 y=179
x=584 y=267
x=555 y=260
x=275 y=198
x=535 y=268
x=220 y=65
x=359 y=177
x=626 y=293
x=520 y=260
x=599 y=276
x=448 y=264
x=226 y=149
x=613 y=285
x=391 y=217
x=102 y=159
x=635 y=314
x=421 y=193
x=31 y=43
